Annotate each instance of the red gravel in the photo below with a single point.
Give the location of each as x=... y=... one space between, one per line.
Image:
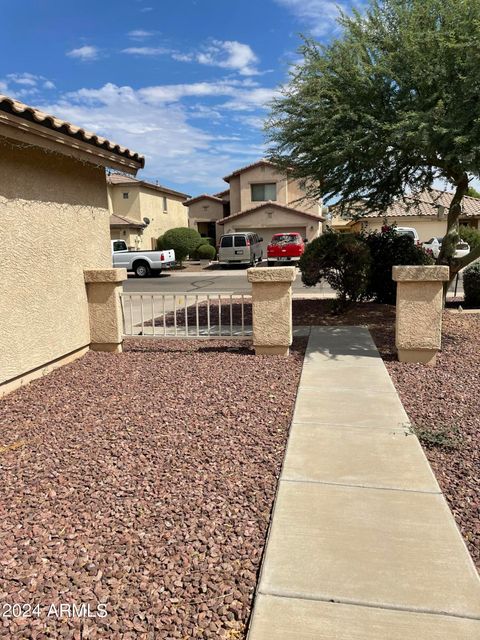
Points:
x=443 y=402
x=144 y=481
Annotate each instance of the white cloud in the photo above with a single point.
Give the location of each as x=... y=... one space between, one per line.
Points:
x=146 y=51
x=87 y=52
x=25 y=79
x=319 y=16
x=158 y=121
x=25 y=84
x=226 y=54
x=140 y=34
x=146 y=9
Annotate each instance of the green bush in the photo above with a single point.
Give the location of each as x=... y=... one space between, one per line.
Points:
x=343 y=260
x=471 y=285
x=182 y=240
x=387 y=249
x=470 y=235
x=206 y=252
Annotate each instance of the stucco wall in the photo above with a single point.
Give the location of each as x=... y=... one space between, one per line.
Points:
x=288 y=191
x=261 y=220
x=426 y=227
x=235 y=201
x=295 y=192
x=205 y=210
x=143 y=202
x=151 y=206
x=55 y=224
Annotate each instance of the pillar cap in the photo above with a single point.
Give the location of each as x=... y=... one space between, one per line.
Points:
x=425 y=273
x=104 y=275
x=271 y=274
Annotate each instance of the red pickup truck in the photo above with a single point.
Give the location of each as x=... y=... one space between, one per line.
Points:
x=285 y=247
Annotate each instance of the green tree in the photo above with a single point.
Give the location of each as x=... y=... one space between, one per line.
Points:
x=473 y=193
x=387 y=108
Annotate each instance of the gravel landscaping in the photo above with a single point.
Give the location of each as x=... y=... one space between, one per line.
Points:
x=143 y=481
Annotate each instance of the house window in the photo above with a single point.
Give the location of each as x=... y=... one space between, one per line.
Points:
x=266 y=191
x=165 y=209
x=125 y=195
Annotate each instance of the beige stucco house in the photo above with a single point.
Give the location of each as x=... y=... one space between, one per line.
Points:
x=142 y=211
x=259 y=199
x=426 y=212
x=54 y=226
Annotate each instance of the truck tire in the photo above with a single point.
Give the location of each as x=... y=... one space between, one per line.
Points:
x=141 y=269
x=271 y=263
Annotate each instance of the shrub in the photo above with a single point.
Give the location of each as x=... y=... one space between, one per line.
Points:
x=182 y=240
x=471 y=285
x=470 y=235
x=343 y=260
x=388 y=249
x=209 y=242
x=206 y=252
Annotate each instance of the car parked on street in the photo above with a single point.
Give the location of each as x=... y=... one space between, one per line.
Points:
x=285 y=248
x=435 y=244
x=142 y=263
x=240 y=248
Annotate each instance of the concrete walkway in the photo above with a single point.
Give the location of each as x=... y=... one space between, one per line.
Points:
x=362 y=544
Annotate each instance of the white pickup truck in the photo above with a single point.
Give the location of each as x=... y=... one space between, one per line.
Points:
x=142 y=263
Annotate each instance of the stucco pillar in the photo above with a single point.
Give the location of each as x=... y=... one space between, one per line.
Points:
x=418 y=327
x=272 y=309
x=104 y=307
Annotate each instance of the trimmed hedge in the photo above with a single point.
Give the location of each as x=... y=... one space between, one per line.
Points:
x=182 y=240
x=206 y=252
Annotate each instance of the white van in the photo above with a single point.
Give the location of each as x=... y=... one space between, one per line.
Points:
x=240 y=248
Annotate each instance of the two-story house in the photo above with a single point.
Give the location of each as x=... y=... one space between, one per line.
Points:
x=141 y=211
x=259 y=199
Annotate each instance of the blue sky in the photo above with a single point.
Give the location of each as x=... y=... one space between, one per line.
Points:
x=184 y=82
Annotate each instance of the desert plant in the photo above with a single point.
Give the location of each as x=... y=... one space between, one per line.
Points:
x=388 y=249
x=182 y=240
x=343 y=260
x=471 y=285
x=439 y=436
x=206 y=252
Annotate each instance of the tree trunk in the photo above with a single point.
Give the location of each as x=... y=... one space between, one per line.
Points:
x=447 y=252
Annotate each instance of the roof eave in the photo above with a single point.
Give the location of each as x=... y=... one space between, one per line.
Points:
x=21 y=130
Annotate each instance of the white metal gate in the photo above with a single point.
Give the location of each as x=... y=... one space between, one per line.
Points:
x=187 y=315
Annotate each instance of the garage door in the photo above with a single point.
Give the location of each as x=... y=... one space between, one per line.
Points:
x=267 y=234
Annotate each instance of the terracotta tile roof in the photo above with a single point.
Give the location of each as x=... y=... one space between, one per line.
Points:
x=258 y=163
x=276 y=205
x=118 y=178
x=21 y=110
x=425 y=204
x=203 y=196
x=225 y=192
x=120 y=221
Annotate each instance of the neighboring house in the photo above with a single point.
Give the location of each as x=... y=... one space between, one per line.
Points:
x=260 y=199
x=427 y=213
x=54 y=226
x=142 y=211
